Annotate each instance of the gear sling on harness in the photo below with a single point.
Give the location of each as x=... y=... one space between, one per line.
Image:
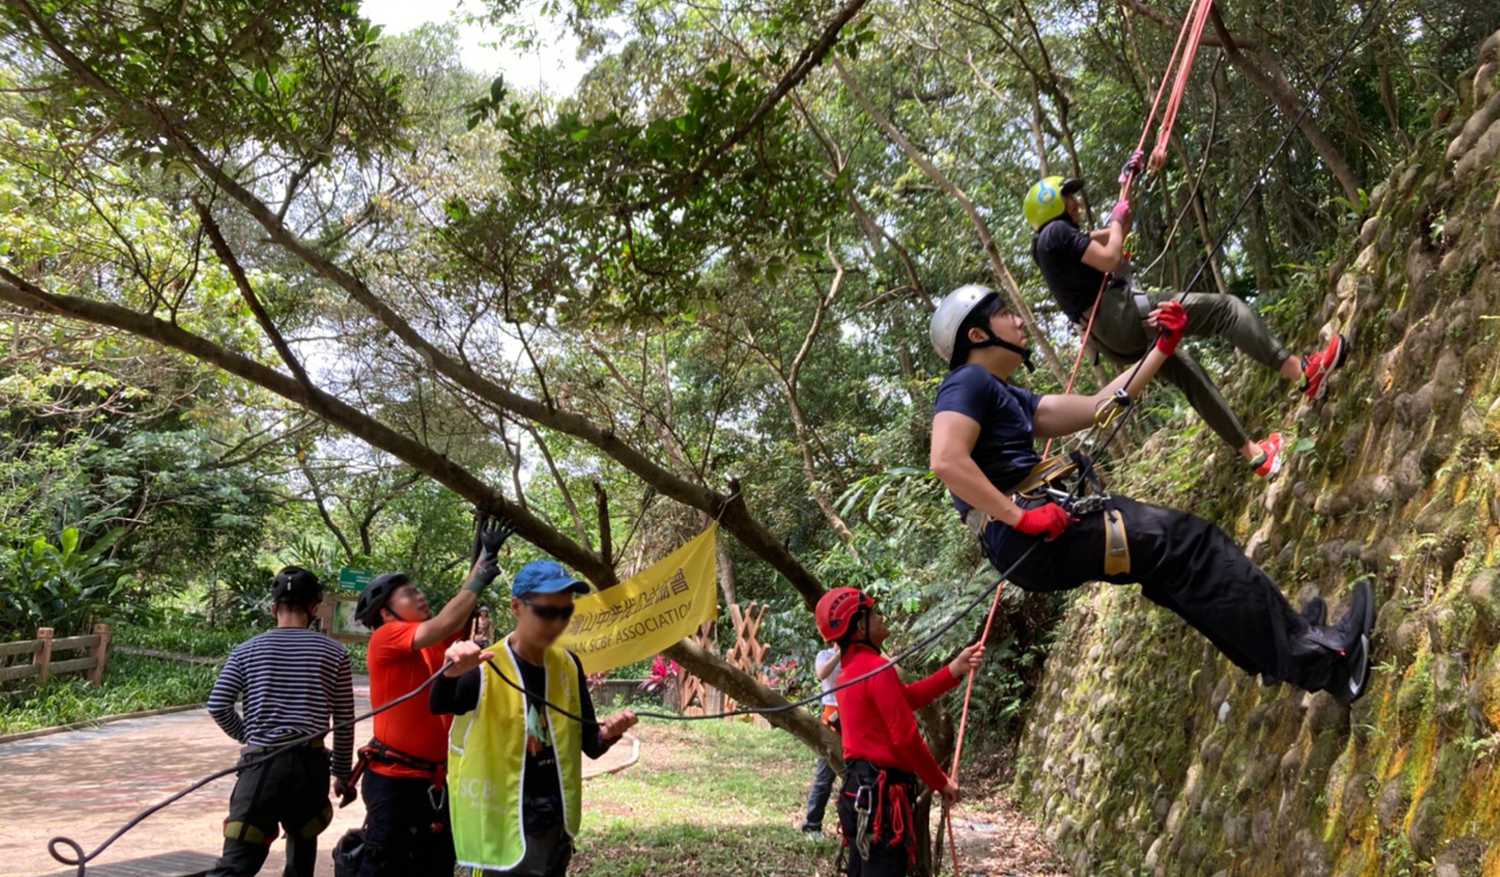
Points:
x=1046 y=482
x=879 y=800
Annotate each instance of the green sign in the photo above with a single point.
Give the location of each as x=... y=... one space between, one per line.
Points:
x=351 y=579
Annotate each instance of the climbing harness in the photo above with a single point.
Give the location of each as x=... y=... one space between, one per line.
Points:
x=349 y=853
x=883 y=809
x=379 y=752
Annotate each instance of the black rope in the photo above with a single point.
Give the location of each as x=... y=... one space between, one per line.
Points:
x=1291 y=129
x=915 y=647
x=82 y=860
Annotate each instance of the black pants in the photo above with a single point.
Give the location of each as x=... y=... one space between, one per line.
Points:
x=548 y=852
x=1187 y=565
x=817 y=796
x=407 y=833
x=290 y=791
x=888 y=854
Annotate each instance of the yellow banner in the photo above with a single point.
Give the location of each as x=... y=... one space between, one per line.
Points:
x=647 y=612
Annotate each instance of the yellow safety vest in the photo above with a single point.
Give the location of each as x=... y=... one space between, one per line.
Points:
x=487 y=761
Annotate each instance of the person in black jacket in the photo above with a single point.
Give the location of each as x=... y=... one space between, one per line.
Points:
x=1075 y=263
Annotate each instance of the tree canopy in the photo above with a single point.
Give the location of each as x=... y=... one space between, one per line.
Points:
x=301 y=272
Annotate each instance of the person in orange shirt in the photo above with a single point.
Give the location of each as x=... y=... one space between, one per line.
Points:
x=407 y=831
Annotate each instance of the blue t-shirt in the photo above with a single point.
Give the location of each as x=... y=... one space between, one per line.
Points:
x=1006 y=447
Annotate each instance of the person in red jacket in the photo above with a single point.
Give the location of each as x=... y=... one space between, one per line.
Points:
x=884 y=753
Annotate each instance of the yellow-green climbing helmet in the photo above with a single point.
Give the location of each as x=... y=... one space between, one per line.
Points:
x=1044 y=200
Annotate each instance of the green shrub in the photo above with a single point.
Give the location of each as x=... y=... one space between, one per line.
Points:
x=130 y=684
x=60 y=586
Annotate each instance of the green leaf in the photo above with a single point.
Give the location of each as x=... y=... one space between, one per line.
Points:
x=497 y=90
x=262 y=83
x=69 y=540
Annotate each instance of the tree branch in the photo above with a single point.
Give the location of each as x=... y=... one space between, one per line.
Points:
x=981 y=229
x=22 y=293
x=811 y=56
x=322 y=506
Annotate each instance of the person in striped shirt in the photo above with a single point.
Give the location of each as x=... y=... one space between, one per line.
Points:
x=292 y=681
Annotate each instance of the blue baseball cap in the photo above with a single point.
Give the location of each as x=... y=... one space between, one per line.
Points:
x=545 y=577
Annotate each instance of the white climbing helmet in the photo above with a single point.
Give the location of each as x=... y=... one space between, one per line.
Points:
x=950 y=315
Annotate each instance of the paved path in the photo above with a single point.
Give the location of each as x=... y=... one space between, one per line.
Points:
x=85 y=784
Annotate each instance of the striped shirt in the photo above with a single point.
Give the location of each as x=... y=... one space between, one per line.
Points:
x=292 y=681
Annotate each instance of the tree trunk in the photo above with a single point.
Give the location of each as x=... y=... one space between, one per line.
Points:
x=1274 y=85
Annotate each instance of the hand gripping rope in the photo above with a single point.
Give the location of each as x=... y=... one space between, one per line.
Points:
x=1195 y=18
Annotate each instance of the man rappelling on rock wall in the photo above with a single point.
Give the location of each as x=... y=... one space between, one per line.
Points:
x=983 y=448
x=1075 y=264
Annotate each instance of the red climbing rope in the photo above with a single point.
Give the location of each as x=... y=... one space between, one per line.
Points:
x=1199 y=17
x=1179 y=68
x=963 y=721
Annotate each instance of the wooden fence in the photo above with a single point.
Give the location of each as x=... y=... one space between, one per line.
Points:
x=44 y=649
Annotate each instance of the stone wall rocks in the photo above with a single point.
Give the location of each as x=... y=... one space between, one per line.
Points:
x=1163 y=759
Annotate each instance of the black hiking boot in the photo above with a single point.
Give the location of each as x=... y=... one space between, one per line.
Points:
x=1352 y=670
x=1315 y=613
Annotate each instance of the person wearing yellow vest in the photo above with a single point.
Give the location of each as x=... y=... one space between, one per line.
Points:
x=515 y=768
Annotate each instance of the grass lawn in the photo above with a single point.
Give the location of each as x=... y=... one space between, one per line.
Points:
x=706 y=798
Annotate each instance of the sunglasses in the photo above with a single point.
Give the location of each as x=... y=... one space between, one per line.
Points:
x=550 y=613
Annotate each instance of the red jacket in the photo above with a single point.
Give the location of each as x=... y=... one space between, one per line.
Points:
x=879 y=719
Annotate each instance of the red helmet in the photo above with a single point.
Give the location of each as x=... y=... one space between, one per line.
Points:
x=836 y=611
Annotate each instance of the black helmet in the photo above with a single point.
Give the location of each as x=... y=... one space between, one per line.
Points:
x=375 y=595
x=296 y=586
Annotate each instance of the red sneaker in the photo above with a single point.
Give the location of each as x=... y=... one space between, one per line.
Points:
x=1319 y=364
x=1270 y=463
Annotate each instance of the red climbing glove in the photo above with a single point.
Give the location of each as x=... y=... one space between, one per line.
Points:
x=1121 y=214
x=1133 y=167
x=1048 y=520
x=1171 y=319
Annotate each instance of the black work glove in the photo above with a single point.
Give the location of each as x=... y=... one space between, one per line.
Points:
x=345 y=790
x=493 y=532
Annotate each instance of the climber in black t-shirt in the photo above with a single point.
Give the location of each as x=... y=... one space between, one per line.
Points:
x=1029 y=522
x=1076 y=265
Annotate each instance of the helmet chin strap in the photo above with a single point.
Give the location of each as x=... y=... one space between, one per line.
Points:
x=993 y=341
x=863 y=636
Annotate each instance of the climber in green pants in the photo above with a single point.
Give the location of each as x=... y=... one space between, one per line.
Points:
x=1075 y=264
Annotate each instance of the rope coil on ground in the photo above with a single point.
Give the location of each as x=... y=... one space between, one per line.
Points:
x=81 y=860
